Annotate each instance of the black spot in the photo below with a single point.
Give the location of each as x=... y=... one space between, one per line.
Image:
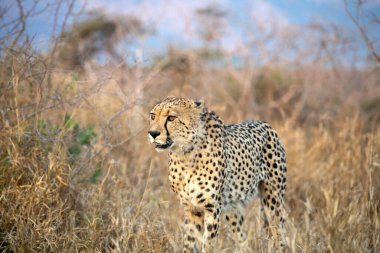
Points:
x=209 y=227
x=209 y=205
x=197 y=213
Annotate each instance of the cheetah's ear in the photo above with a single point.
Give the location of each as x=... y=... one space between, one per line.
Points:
x=169 y=98
x=199 y=102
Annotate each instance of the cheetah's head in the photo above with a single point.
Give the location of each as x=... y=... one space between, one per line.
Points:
x=174 y=124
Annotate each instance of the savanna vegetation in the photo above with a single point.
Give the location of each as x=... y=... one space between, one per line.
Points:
x=77 y=173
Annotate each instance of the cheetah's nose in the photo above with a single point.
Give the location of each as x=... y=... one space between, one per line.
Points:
x=154 y=134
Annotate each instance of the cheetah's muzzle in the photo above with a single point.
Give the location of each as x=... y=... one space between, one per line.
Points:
x=167 y=145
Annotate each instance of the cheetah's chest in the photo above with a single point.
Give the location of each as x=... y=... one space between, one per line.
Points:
x=198 y=178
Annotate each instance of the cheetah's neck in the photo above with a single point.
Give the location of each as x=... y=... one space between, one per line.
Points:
x=210 y=128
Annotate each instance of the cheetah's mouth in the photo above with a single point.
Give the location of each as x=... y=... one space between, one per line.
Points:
x=168 y=143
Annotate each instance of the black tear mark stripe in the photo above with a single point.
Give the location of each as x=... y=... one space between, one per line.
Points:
x=166 y=128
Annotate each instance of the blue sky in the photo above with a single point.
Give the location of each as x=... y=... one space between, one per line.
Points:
x=174 y=21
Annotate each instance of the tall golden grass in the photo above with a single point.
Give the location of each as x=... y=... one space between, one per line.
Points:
x=77 y=173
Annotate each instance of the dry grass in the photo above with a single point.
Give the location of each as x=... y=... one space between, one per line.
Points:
x=77 y=173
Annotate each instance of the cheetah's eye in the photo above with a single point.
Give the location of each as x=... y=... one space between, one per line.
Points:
x=171 y=118
x=152 y=116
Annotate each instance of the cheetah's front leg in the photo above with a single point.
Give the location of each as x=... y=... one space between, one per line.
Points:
x=211 y=226
x=235 y=222
x=193 y=229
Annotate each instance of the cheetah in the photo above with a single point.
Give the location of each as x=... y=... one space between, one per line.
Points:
x=216 y=169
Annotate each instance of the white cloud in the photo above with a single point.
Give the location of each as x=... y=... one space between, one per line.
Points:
x=268 y=16
x=175 y=20
x=166 y=16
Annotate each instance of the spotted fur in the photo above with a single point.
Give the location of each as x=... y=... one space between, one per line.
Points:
x=216 y=169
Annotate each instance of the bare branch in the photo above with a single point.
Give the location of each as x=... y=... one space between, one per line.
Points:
x=363 y=33
x=22 y=19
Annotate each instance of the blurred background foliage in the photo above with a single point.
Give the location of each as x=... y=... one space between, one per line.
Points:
x=77 y=172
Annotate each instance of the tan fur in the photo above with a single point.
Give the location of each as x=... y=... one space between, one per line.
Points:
x=217 y=169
